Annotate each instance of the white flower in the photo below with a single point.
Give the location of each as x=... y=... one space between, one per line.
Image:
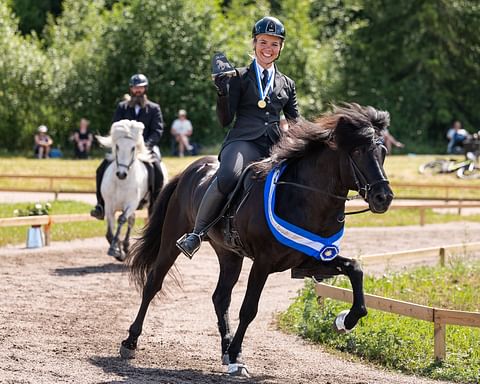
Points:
x=16 y=212
x=38 y=206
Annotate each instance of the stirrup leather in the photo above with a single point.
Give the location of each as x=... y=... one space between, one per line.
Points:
x=188 y=252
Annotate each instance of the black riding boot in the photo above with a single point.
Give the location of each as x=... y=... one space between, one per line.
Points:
x=99 y=211
x=210 y=207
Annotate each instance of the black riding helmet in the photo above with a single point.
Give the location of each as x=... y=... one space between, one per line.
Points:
x=270 y=26
x=138 y=80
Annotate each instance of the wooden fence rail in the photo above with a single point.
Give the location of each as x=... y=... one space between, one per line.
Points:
x=48 y=220
x=441 y=252
x=440 y=317
x=51 y=179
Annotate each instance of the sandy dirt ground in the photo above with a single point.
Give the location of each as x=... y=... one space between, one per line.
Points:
x=64 y=310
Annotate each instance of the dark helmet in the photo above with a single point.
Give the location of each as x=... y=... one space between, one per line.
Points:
x=269 y=26
x=138 y=80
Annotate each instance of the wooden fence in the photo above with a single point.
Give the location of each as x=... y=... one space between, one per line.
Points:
x=439 y=317
x=422 y=207
x=49 y=187
x=48 y=220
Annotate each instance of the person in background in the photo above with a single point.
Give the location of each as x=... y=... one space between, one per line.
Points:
x=82 y=139
x=136 y=106
x=181 y=130
x=456 y=136
x=390 y=141
x=43 y=143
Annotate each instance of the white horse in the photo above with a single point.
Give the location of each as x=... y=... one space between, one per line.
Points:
x=125 y=182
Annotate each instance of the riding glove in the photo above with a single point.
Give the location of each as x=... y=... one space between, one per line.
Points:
x=222 y=84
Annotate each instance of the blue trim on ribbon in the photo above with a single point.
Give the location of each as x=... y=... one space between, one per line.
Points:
x=318 y=247
x=263 y=92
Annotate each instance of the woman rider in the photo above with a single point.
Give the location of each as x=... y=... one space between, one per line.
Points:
x=255 y=98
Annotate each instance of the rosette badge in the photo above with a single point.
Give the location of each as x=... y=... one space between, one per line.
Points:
x=220 y=64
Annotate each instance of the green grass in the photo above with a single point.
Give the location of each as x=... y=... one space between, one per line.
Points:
x=59 y=232
x=400 y=169
x=396 y=342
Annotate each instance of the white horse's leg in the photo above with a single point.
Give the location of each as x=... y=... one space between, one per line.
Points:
x=126 y=241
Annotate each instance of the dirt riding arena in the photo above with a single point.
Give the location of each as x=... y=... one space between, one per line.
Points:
x=65 y=309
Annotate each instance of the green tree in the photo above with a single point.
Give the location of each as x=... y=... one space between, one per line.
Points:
x=418 y=59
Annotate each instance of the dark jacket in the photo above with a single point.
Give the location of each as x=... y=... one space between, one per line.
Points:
x=251 y=121
x=150 y=116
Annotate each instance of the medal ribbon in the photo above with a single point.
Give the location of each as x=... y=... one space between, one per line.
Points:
x=262 y=92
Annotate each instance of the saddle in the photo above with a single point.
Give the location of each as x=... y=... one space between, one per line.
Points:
x=234 y=202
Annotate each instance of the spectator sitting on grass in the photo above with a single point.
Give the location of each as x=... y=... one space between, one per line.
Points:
x=181 y=130
x=43 y=143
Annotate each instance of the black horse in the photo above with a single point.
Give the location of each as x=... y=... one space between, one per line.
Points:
x=341 y=151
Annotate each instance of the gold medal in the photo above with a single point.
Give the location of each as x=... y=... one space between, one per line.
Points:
x=262 y=104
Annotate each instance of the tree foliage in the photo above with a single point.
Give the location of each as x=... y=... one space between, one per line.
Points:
x=417 y=59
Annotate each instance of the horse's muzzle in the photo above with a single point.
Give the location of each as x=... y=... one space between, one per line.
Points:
x=121 y=175
x=380 y=198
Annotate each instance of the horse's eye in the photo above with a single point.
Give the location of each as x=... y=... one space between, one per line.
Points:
x=357 y=152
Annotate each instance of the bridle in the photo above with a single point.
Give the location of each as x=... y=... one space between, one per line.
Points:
x=363 y=188
x=127 y=166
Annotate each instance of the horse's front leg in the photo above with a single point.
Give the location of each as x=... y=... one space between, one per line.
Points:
x=248 y=311
x=110 y=217
x=115 y=249
x=348 y=319
x=126 y=240
x=230 y=268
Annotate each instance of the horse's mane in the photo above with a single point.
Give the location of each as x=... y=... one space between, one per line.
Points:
x=126 y=128
x=347 y=126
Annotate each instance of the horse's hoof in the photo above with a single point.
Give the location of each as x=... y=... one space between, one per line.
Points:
x=225 y=359
x=127 y=353
x=339 y=324
x=237 y=369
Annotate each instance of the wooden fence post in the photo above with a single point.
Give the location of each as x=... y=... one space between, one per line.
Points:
x=46 y=231
x=441 y=253
x=422 y=216
x=439 y=348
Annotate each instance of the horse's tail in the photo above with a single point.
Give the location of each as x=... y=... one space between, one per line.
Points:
x=144 y=252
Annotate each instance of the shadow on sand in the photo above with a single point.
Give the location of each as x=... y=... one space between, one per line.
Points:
x=132 y=374
x=86 y=270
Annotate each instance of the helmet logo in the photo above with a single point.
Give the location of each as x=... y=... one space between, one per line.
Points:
x=271 y=27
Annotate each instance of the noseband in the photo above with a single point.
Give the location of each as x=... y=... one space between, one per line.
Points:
x=131 y=161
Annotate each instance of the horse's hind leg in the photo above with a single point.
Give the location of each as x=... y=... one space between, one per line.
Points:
x=153 y=284
x=230 y=268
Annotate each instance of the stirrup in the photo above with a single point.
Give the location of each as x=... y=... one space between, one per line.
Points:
x=188 y=252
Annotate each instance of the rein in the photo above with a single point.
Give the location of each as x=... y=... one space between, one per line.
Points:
x=359 y=178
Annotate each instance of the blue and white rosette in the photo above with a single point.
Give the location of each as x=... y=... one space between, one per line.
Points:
x=318 y=247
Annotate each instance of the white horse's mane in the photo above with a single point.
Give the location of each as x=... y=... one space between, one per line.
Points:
x=126 y=128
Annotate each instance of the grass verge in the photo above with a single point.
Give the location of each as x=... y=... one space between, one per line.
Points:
x=396 y=342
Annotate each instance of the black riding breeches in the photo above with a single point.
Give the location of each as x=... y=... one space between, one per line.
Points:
x=235 y=156
x=99 y=177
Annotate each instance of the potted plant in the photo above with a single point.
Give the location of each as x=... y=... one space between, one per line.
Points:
x=35 y=235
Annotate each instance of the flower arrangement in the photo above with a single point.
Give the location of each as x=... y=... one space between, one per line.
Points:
x=36 y=209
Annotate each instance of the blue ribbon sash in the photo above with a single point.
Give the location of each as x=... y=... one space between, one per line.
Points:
x=318 y=247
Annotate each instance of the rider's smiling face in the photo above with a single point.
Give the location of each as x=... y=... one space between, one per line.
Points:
x=267 y=48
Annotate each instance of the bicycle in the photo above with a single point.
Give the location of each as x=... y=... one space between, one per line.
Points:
x=465 y=169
